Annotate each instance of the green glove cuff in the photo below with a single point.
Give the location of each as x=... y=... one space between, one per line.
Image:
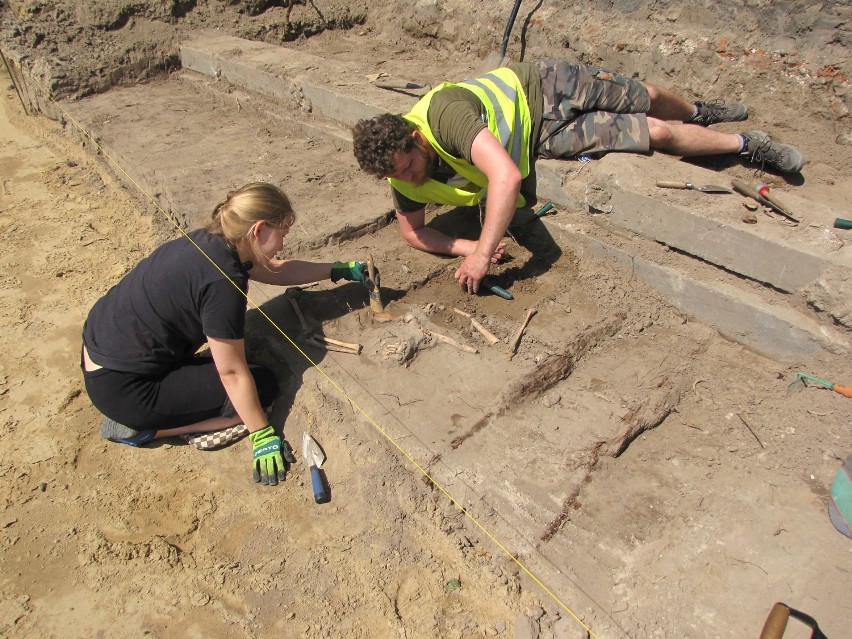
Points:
x=345 y=270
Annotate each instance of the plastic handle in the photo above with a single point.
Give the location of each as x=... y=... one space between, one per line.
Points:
x=846 y=391
x=543 y=210
x=497 y=290
x=672 y=185
x=320 y=493
x=840 y=223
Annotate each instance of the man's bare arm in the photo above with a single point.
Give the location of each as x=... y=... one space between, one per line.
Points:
x=504 y=185
x=417 y=235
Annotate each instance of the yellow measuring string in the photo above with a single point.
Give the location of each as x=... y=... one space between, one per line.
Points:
x=387 y=436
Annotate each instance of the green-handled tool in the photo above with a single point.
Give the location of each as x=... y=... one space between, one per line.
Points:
x=840 y=223
x=803 y=378
x=497 y=290
x=544 y=210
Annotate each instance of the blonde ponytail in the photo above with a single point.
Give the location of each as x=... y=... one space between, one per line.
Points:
x=235 y=216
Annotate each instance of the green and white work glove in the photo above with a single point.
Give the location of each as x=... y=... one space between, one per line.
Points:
x=351 y=271
x=268 y=464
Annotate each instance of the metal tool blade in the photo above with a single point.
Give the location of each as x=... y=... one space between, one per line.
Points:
x=312 y=452
x=713 y=188
x=314 y=457
x=710 y=188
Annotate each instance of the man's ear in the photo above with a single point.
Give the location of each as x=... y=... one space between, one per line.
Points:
x=419 y=139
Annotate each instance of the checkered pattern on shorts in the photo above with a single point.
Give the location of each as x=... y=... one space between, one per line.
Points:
x=217 y=439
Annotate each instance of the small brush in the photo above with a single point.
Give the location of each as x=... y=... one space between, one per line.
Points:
x=373 y=287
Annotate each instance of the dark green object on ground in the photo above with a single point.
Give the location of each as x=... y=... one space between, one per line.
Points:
x=502 y=292
x=840 y=223
x=543 y=210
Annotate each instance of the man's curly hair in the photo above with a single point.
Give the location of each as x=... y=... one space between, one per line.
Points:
x=378 y=140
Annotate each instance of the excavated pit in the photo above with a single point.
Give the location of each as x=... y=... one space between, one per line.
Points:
x=642 y=462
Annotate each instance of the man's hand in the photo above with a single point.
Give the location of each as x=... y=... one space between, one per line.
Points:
x=352 y=272
x=471 y=272
x=267 y=464
x=499 y=252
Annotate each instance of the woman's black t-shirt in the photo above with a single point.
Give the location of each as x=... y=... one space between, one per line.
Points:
x=164 y=309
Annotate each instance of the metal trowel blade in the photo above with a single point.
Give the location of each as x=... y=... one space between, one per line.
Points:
x=796 y=386
x=713 y=188
x=312 y=452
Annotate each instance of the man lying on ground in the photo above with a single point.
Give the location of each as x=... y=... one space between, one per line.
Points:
x=462 y=139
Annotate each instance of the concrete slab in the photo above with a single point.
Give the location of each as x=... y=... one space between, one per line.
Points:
x=150 y=131
x=775 y=331
x=301 y=80
x=711 y=229
x=146 y=131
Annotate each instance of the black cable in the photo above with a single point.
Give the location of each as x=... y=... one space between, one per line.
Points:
x=508 y=29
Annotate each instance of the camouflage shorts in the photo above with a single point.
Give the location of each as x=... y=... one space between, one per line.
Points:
x=589 y=111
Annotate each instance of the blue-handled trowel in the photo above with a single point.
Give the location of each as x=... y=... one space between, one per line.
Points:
x=314 y=457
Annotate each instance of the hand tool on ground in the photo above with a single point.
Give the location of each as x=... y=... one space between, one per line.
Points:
x=846 y=391
x=407 y=87
x=373 y=287
x=513 y=347
x=750 y=191
x=544 y=210
x=710 y=188
x=497 y=290
x=314 y=458
x=537 y=215
x=840 y=223
x=774 y=201
x=776 y=622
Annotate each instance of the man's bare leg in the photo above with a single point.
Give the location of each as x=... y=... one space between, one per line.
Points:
x=667 y=105
x=691 y=139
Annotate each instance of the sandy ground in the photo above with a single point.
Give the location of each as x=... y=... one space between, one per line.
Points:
x=696 y=499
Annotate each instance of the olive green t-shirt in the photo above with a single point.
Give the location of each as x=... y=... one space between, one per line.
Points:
x=456 y=116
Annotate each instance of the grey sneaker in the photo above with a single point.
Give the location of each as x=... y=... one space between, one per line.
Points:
x=764 y=151
x=121 y=434
x=719 y=111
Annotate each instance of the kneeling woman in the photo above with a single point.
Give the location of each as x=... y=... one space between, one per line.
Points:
x=140 y=340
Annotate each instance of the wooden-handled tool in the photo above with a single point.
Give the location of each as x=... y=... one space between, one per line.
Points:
x=750 y=191
x=375 y=293
x=710 y=188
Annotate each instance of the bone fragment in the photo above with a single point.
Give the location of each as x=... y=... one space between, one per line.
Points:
x=513 y=348
x=334 y=342
x=451 y=342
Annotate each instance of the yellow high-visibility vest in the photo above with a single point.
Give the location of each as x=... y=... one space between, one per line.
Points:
x=505 y=102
